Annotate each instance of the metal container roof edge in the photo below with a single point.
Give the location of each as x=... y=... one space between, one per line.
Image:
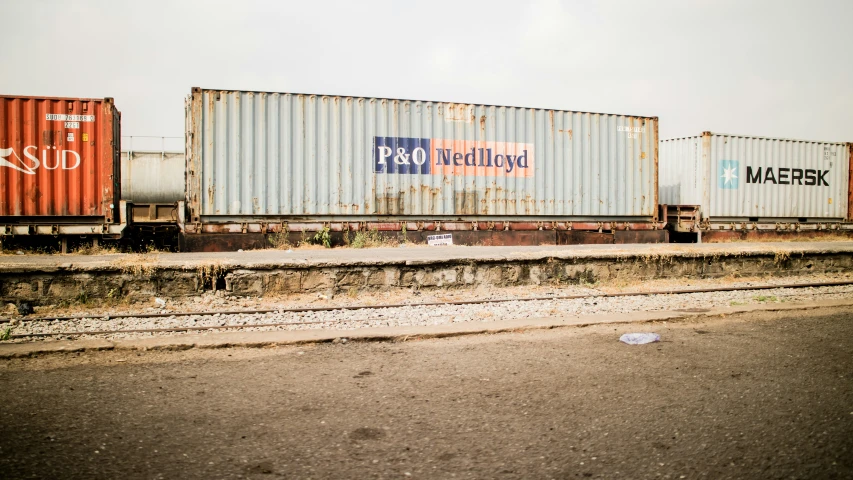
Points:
x=758 y=137
x=79 y=99
x=199 y=89
x=154 y=151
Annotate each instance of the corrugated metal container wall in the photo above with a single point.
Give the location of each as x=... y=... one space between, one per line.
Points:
x=59 y=157
x=153 y=177
x=255 y=154
x=681 y=182
x=741 y=177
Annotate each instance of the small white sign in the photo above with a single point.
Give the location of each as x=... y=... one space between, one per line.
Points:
x=70 y=137
x=72 y=124
x=59 y=117
x=445 y=239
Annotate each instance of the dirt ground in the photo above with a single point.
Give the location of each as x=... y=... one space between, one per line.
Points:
x=767 y=395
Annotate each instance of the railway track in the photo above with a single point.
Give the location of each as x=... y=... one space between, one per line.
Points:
x=372 y=307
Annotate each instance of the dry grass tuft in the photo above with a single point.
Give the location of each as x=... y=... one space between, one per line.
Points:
x=209 y=273
x=370 y=239
x=137 y=264
x=93 y=250
x=781 y=256
x=280 y=240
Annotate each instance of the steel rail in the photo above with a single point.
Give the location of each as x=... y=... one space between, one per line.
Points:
x=382 y=306
x=432 y=304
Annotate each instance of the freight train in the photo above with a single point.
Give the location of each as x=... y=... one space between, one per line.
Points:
x=262 y=165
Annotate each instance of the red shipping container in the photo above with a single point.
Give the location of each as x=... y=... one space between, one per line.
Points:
x=59 y=158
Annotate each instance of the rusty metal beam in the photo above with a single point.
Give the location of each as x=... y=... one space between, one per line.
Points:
x=422 y=225
x=9 y=227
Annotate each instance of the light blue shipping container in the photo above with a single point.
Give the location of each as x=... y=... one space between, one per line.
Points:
x=738 y=177
x=257 y=155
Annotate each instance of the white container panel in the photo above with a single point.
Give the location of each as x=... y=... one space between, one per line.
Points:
x=735 y=177
x=682 y=174
x=152 y=177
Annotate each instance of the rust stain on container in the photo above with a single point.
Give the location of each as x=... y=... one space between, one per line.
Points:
x=850 y=182
x=59 y=157
x=567 y=132
x=655 y=190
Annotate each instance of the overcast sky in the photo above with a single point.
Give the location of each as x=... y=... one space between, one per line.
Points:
x=771 y=68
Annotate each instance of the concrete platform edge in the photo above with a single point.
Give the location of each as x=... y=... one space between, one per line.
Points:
x=394 y=258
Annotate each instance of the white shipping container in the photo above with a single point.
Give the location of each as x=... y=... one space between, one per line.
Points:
x=259 y=155
x=152 y=176
x=743 y=178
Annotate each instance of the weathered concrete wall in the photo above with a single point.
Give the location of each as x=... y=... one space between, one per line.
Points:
x=70 y=284
x=476 y=274
x=42 y=288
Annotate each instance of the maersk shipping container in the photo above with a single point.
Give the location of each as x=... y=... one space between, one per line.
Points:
x=745 y=178
x=59 y=161
x=259 y=155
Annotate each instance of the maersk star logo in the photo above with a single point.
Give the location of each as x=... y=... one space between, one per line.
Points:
x=728 y=174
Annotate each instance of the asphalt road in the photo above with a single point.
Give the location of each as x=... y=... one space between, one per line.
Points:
x=765 y=396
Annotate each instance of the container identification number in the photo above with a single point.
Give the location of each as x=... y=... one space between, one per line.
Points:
x=633 y=132
x=60 y=117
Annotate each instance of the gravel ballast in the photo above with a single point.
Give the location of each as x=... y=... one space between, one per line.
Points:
x=423 y=315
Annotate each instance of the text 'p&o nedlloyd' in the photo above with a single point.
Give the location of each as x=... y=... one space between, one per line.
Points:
x=435 y=156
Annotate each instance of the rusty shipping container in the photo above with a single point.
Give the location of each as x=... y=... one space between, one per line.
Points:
x=59 y=161
x=757 y=179
x=257 y=155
